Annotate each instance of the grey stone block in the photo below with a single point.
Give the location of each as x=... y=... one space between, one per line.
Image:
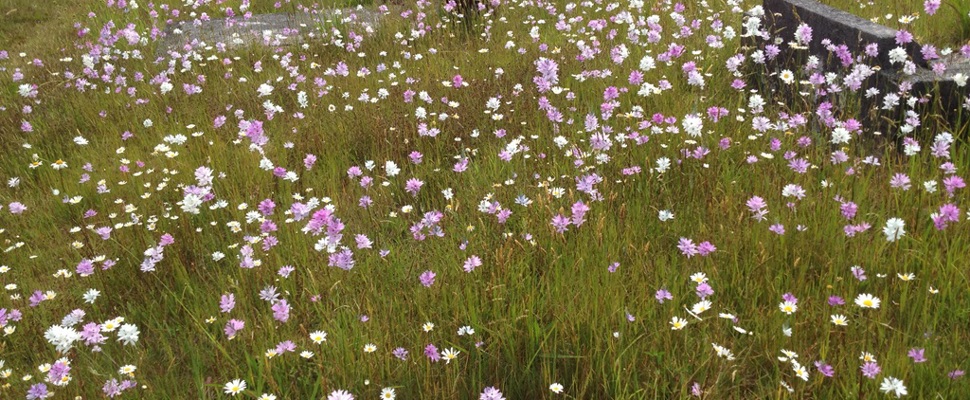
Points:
x=279 y=29
x=841 y=27
x=948 y=94
x=782 y=17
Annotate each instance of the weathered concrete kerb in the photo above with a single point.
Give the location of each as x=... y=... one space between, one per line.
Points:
x=278 y=29
x=841 y=27
x=782 y=18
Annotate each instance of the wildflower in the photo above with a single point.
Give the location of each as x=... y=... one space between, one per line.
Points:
x=38 y=391
x=704 y=290
x=309 y=160
x=400 y=353
x=900 y=181
x=665 y=215
x=952 y=183
x=491 y=393
x=340 y=395
x=471 y=263
x=449 y=354
x=824 y=369
x=946 y=214
x=840 y=135
x=427 y=278
x=431 y=352
x=227 y=303
x=370 y=348
x=799 y=165
x=793 y=190
x=318 y=337
x=894 y=229
x=612 y=268
x=870 y=370
x=127 y=370
x=803 y=34
x=128 y=334
x=788 y=307
x=391 y=168
x=556 y=388
x=663 y=164
x=234 y=387
x=17 y=207
x=787 y=76
x=701 y=306
x=62 y=338
x=663 y=295
x=579 y=211
x=706 y=248
x=687 y=247
x=866 y=300
x=723 y=352
x=903 y=37
x=840 y=320
x=800 y=371
x=894 y=386
x=561 y=223
x=917 y=355
x=91 y=295
x=388 y=394
x=232 y=327
x=678 y=323
x=412 y=186
x=281 y=310
x=757 y=206
x=699 y=277
x=692 y=124
x=788 y=354
x=427 y=327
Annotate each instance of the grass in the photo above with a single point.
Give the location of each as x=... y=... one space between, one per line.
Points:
x=544 y=305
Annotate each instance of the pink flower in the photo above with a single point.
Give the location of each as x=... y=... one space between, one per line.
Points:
x=903 y=37
x=17 y=208
x=233 y=326
x=309 y=160
x=917 y=355
x=281 y=310
x=560 y=222
x=412 y=186
x=579 y=213
x=427 y=278
x=471 y=263
x=706 y=248
x=687 y=247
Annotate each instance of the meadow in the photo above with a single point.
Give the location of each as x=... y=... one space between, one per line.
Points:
x=525 y=199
